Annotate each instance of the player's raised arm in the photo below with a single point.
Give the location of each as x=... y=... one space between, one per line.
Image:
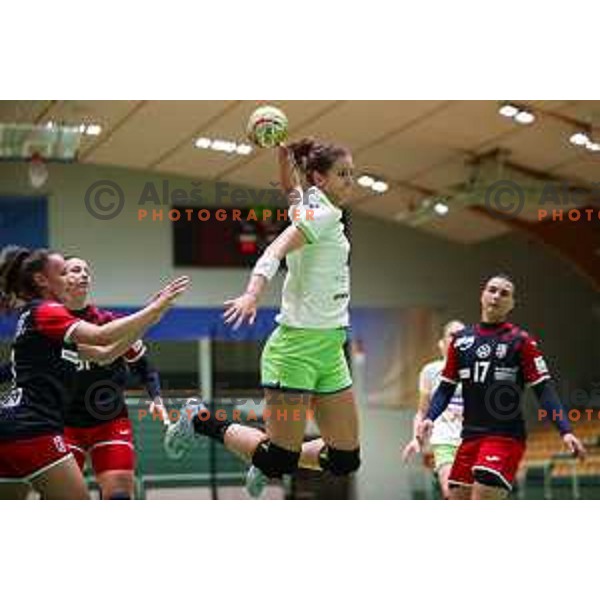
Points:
x=289 y=175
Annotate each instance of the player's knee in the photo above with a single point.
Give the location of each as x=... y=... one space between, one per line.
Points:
x=339 y=462
x=459 y=492
x=275 y=461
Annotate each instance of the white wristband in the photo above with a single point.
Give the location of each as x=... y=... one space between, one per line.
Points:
x=266 y=266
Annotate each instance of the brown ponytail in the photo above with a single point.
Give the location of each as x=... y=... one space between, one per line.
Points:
x=18 y=266
x=312 y=155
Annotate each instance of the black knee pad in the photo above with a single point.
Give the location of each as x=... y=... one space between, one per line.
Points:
x=490 y=479
x=339 y=462
x=275 y=461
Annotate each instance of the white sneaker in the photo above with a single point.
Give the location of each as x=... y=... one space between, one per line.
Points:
x=256 y=482
x=180 y=436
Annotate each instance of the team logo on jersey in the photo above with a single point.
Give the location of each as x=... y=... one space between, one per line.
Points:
x=12 y=399
x=314 y=200
x=483 y=351
x=464 y=343
x=501 y=351
x=59 y=443
x=540 y=365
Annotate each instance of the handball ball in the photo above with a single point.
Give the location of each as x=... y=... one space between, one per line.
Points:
x=267 y=127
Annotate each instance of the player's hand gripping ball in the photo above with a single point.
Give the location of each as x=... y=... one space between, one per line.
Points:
x=267 y=127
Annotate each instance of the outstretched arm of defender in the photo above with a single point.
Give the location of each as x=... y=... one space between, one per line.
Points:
x=126 y=330
x=103 y=355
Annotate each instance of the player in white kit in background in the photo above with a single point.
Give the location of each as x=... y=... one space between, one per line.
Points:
x=445 y=438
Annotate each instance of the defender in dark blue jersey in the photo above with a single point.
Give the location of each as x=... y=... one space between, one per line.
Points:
x=493 y=361
x=44 y=362
x=97 y=424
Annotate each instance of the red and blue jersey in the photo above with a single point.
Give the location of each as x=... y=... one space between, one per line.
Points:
x=42 y=368
x=493 y=363
x=98 y=393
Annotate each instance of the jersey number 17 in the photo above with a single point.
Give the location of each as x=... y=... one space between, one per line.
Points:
x=481 y=370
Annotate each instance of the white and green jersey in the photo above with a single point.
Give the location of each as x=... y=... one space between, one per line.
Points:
x=448 y=426
x=316 y=291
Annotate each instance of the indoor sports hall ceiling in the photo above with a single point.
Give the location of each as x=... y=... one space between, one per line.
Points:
x=427 y=151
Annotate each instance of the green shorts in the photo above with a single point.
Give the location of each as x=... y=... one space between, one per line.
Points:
x=307 y=360
x=443 y=454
